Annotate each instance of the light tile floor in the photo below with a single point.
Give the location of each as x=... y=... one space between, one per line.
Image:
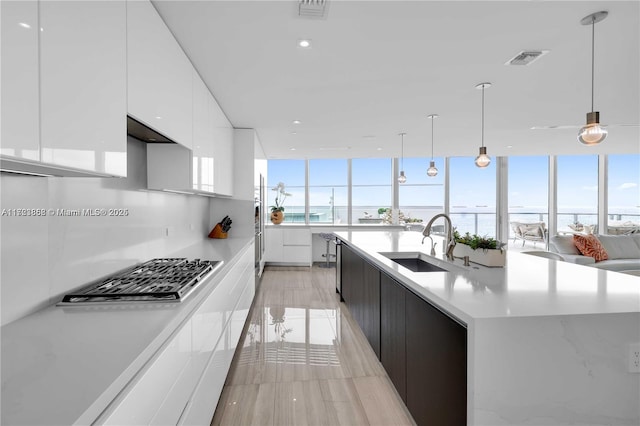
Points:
x=304 y=361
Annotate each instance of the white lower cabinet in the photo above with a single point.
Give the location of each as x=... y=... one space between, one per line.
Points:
x=201 y=406
x=287 y=245
x=183 y=382
x=140 y=404
x=273 y=244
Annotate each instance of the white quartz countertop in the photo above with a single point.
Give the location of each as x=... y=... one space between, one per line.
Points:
x=528 y=285
x=64 y=365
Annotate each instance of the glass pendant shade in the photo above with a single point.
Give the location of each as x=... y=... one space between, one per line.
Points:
x=483 y=160
x=432 y=170
x=593 y=133
x=402 y=178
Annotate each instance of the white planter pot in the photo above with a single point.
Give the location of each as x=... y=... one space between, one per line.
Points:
x=492 y=258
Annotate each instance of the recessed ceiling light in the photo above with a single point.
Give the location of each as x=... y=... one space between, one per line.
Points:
x=379 y=149
x=24 y=25
x=509 y=146
x=292 y=149
x=304 y=43
x=296 y=121
x=158 y=117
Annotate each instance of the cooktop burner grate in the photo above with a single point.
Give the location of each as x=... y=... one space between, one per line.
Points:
x=170 y=280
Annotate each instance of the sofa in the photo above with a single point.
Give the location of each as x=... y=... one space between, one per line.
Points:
x=623 y=251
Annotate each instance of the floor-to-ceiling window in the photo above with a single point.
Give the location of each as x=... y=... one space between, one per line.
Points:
x=623 y=194
x=292 y=174
x=371 y=187
x=577 y=192
x=422 y=197
x=328 y=182
x=528 y=190
x=472 y=191
x=472 y=196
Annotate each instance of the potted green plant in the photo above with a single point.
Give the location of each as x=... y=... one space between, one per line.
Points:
x=277 y=210
x=484 y=250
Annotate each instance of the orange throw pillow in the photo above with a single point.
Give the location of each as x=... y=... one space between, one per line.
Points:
x=589 y=245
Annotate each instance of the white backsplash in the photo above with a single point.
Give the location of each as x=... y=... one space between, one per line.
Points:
x=44 y=257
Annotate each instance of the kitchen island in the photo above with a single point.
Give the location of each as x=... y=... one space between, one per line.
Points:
x=545 y=342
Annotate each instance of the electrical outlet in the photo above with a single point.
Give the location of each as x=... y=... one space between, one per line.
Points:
x=634 y=358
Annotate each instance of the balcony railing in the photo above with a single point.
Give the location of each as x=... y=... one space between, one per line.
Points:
x=481 y=223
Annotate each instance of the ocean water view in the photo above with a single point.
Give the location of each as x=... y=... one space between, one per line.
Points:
x=475 y=220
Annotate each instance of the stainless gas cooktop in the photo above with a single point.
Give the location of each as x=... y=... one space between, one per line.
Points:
x=157 y=280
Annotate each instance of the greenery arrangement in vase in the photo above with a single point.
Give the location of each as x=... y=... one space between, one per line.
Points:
x=475 y=241
x=277 y=210
x=483 y=250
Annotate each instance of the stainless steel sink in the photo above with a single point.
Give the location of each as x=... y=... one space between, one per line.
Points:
x=414 y=261
x=418 y=265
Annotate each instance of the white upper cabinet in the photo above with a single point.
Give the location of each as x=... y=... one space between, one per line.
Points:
x=203 y=137
x=83 y=85
x=159 y=75
x=223 y=160
x=175 y=168
x=64 y=87
x=20 y=116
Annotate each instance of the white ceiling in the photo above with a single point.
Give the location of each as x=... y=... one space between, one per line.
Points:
x=378 y=68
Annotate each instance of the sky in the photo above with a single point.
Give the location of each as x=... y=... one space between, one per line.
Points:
x=470 y=186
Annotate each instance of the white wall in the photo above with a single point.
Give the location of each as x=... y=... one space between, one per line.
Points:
x=44 y=257
x=240 y=208
x=241 y=213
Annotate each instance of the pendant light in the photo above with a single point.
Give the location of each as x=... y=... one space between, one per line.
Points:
x=592 y=133
x=432 y=170
x=402 y=178
x=483 y=160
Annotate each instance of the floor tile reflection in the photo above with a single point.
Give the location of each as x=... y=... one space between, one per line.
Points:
x=303 y=361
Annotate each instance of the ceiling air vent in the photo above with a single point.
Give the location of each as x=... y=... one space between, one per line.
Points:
x=526 y=57
x=313 y=9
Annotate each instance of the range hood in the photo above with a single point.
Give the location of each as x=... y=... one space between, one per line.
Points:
x=146 y=134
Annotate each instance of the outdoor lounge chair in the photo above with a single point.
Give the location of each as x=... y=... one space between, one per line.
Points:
x=535 y=231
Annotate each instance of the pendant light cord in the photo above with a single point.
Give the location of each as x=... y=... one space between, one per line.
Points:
x=402 y=152
x=432 y=138
x=593 y=49
x=482 y=137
